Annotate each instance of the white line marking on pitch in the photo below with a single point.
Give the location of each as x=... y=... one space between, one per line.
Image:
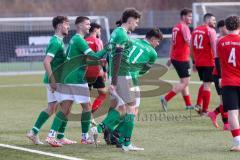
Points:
x=21 y=85
x=22 y=73
x=191 y=82
x=39 y=152
x=41 y=84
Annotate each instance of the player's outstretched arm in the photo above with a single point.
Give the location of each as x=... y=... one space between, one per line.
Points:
x=98 y=55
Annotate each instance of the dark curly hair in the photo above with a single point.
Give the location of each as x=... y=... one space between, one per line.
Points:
x=129 y=12
x=232 y=23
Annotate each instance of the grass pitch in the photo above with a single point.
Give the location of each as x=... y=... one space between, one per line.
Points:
x=178 y=134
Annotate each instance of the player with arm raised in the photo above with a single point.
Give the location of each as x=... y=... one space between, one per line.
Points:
x=216 y=78
x=179 y=57
x=203 y=45
x=55 y=56
x=228 y=50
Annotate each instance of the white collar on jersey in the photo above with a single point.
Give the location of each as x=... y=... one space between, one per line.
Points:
x=58 y=36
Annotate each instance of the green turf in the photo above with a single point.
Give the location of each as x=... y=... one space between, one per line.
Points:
x=21 y=66
x=176 y=135
x=33 y=66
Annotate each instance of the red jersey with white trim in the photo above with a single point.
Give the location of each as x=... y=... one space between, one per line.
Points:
x=203 y=45
x=180 y=49
x=228 y=49
x=96 y=45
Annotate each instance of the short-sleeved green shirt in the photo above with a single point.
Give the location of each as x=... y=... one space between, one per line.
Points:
x=140 y=53
x=119 y=38
x=77 y=53
x=56 y=50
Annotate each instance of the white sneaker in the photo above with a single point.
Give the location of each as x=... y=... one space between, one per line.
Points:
x=132 y=147
x=236 y=146
x=34 y=138
x=94 y=135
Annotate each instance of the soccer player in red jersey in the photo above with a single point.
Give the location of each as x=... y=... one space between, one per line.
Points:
x=213 y=114
x=203 y=45
x=228 y=49
x=96 y=74
x=179 y=57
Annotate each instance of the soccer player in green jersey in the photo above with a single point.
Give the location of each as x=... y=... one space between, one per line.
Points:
x=55 y=56
x=74 y=87
x=143 y=52
x=141 y=56
x=119 y=73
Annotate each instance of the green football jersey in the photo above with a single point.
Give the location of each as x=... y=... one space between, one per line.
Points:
x=77 y=53
x=140 y=53
x=56 y=50
x=119 y=38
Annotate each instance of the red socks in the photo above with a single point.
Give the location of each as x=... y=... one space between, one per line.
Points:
x=235 y=132
x=169 y=95
x=98 y=102
x=187 y=100
x=206 y=96
x=217 y=110
x=200 y=94
x=224 y=115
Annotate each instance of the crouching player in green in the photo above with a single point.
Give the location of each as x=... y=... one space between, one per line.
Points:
x=140 y=56
x=119 y=76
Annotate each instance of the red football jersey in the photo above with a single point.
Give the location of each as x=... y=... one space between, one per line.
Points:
x=96 y=45
x=228 y=49
x=202 y=48
x=180 y=48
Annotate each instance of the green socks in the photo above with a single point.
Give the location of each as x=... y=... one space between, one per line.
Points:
x=42 y=118
x=61 y=130
x=85 y=121
x=127 y=129
x=57 y=122
x=120 y=126
x=112 y=119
